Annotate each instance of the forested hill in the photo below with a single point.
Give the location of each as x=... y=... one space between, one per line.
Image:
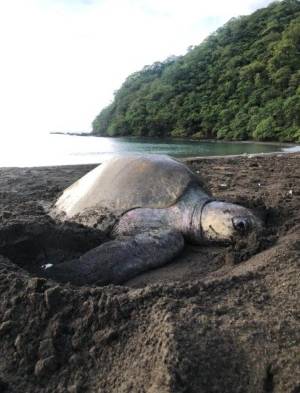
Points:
x=242 y=82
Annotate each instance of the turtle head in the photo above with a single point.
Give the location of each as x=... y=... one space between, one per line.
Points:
x=226 y=222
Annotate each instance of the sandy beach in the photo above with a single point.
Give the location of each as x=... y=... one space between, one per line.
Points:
x=217 y=319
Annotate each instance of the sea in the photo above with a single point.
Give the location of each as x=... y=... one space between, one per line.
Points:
x=59 y=149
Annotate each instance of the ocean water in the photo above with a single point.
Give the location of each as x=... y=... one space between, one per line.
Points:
x=53 y=149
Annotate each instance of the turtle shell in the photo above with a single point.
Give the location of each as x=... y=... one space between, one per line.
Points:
x=127 y=182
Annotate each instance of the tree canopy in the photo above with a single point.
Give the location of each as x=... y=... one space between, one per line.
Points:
x=242 y=82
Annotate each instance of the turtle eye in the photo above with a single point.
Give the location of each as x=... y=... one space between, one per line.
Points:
x=241 y=224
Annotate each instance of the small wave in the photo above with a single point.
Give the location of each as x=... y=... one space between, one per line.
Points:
x=292 y=149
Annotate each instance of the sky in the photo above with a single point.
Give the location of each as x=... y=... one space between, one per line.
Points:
x=61 y=60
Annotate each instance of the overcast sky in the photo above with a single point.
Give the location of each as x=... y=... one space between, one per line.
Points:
x=61 y=60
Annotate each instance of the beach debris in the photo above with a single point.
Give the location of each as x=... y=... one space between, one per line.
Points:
x=47 y=265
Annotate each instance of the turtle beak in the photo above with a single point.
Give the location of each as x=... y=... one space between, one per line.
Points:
x=242 y=225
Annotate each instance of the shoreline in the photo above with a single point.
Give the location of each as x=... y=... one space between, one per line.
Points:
x=180 y=139
x=56 y=150
x=181 y=158
x=245 y=155
x=274 y=143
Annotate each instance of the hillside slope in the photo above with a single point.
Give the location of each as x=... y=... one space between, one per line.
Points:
x=242 y=82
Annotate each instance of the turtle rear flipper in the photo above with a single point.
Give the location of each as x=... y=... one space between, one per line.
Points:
x=117 y=261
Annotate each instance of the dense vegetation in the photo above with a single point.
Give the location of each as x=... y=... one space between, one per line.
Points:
x=242 y=82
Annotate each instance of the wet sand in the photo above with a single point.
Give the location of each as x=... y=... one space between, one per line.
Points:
x=217 y=319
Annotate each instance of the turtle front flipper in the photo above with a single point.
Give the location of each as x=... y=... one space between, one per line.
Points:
x=117 y=261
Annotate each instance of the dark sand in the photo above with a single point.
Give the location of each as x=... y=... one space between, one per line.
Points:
x=218 y=319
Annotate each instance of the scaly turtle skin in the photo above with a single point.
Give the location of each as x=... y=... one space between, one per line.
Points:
x=155 y=204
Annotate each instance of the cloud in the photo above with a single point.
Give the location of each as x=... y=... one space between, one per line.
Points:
x=62 y=59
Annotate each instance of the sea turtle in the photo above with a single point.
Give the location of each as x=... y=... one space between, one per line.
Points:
x=155 y=204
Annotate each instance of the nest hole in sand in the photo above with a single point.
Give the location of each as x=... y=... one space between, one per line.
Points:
x=31 y=245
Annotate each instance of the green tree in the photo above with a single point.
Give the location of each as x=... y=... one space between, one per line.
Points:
x=265 y=130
